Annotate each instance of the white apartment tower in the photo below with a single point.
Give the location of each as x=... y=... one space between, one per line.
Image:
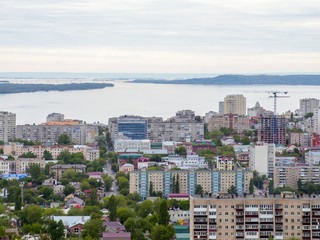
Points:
x=262 y=158
x=7 y=126
x=235 y=104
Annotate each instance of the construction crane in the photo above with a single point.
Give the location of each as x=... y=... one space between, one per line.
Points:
x=275 y=97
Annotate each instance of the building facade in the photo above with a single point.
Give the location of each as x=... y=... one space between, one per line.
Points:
x=211 y=181
x=266 y=131
x=262 y=158
x=300 y=139
x=237 y=122
x=235 y=104
x=60 y=169
x=48 y=133
x=254 y=217
x=7 y=126
x=288 y=176
x=308 y=105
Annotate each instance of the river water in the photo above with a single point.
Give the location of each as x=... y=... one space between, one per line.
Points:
x=144 y=100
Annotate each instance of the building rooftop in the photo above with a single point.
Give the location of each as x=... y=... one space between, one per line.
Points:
x=283 y=195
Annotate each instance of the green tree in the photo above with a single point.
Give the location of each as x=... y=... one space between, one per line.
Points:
x=47 y=155
x=75 y=212
x=232 y=190
x=68 y=189
x=17 y=199
x=199 y=189
x=56 y=230
x=174 y=184
x=150 y=189
x=271 y=186
x=115 y=167
x=92 y=229
x=160 y=232
x=34 y=170
x=64 y=139
x=46 y=192
x=163 y=213
x=181 y=150
x=245 y=140
x=93 y=197
x=146 y=208
x=31 y=214
x=28 y=155
x=85 y=186
x=177 y=185
x=108 y=183
x=112 y=208
x=308 y=115
x=123 y=183
x=251 y=186
x=125 y=213
x=300 y=185
x=1 y=151
x=184 y=205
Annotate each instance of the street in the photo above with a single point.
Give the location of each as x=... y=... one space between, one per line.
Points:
x=107 y=169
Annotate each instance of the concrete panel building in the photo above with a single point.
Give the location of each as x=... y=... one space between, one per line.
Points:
x=262 y=158
x=211 y=181
x=239 y=123
x=7 y=126
x=254 y=217
x=308 y=105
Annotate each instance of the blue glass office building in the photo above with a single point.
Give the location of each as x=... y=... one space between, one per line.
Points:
x=134 y=128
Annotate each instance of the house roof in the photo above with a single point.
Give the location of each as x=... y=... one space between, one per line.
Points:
x=114 y=225
x=116 y=235
x=75 y=200
x=71 y=220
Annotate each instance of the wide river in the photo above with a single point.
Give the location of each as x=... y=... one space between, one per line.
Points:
x=143 y=99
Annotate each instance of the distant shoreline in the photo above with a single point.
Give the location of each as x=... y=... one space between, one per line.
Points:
x=312 y=80
x=6 y=88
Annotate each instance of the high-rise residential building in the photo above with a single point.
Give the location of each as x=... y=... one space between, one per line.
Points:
x=288 y=176
x=211 y=181
x=282 y=216
x=308 y=105
x=266 y=131
x=316 y=120
x=237 y=122
x=7 y=126
x=235 y=104
x=262 y=158
x=55 y=117
x=221 y=107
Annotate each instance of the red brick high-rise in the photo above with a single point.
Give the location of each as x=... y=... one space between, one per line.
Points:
x=266 y=131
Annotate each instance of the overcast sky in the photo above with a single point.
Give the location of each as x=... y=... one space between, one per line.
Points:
x=171 y=36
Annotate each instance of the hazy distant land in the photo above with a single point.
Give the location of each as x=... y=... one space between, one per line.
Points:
x=20 y=88
x=244 y=80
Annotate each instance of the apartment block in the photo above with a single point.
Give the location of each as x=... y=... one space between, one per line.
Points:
x=262 y=158
x=55 y=117
x=235 y=104
x=60 y=169
x=288 y=176
x=282 y=216
x=308 y=105
x=211 y=181
x=7 y=126
x=266 y=132
x=225 y=163
x=48 y=133
x=239 y=123
x=22 y=164
x=300 y=139
x=312 y=157
x=16 y=149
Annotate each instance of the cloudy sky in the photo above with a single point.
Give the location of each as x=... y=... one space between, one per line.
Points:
x=162 y=36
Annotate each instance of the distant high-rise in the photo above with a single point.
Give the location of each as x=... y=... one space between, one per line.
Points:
x=266 y=132
x=308 y=105
x=235 y=104
x=221 y=108
x=55 y=117
x=7 y=126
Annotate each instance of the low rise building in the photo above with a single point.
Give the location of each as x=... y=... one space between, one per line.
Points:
x=313 y=156
x=188 y=162
x=92 y=154
x=126 y=168
x=200 y=145
x=225 y=163
x=22 y=164
x=72 y=224
x=60 y=169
